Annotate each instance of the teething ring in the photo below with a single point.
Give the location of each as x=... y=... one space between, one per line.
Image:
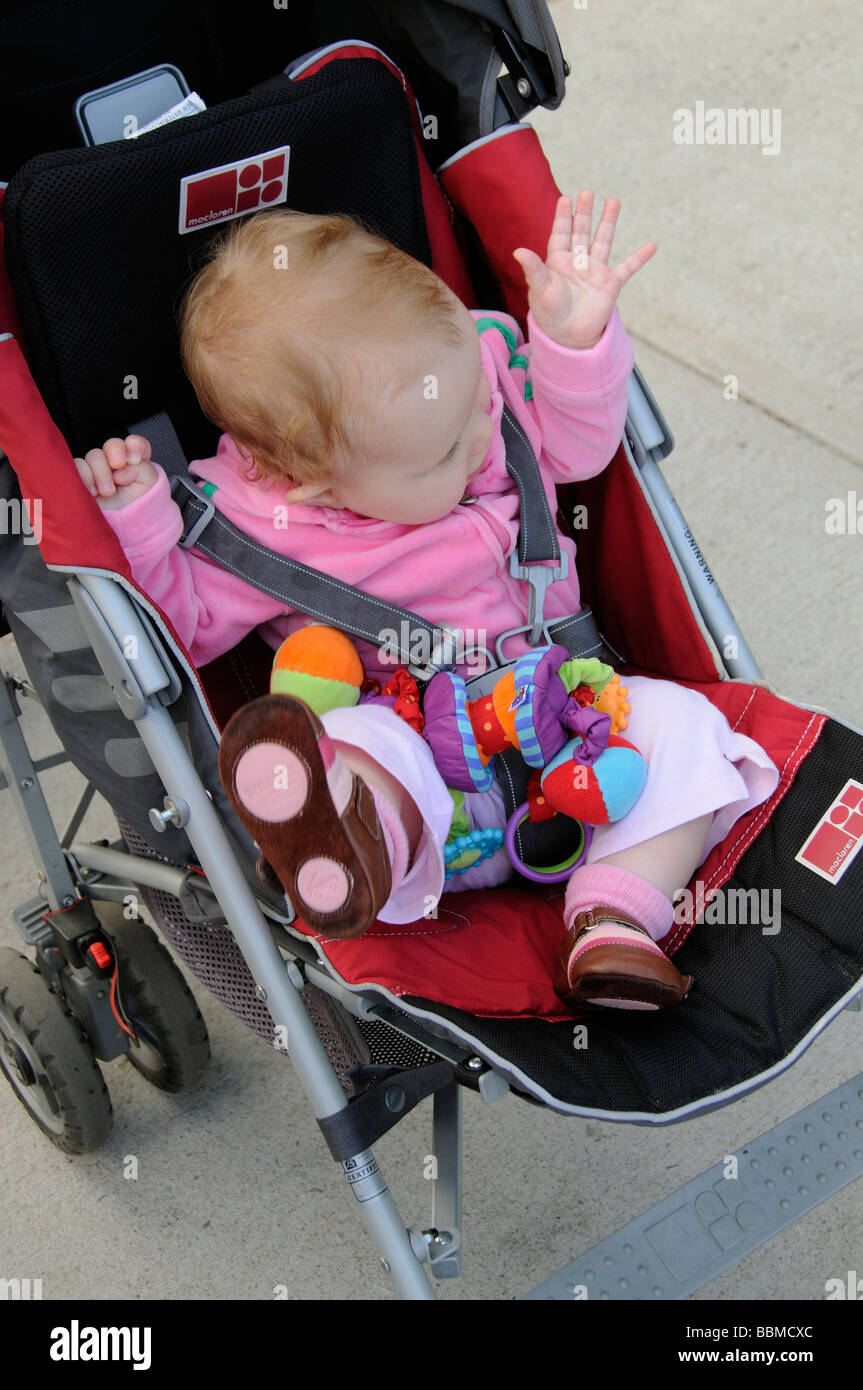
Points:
x=555 y=873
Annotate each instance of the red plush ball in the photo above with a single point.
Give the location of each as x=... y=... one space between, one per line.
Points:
x=600 y=793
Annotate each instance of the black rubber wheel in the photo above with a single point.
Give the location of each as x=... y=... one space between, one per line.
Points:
x=48 y=1061
x=173 y=1046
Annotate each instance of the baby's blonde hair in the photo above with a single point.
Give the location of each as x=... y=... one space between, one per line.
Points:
x=288 y=331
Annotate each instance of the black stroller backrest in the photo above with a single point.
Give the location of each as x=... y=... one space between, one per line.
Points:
x=98 y=264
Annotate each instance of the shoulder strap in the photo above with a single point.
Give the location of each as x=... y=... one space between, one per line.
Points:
x=295 y=584
x=537 y=538
x=330 y=600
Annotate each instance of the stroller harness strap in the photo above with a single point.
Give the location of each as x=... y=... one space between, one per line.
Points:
x=352 y=610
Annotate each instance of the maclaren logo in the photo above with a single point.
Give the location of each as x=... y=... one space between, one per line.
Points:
x=838 y=837
x=232 y=190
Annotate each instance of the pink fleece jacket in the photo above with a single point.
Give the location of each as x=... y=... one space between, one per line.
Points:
x=572 y=406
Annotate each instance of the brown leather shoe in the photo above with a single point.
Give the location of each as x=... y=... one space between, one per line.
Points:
x=325 y=847
x=267 y=874
x=621 y=975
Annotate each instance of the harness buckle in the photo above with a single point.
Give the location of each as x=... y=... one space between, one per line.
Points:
x=446 y=635
x=203 y=520
x=538 y=576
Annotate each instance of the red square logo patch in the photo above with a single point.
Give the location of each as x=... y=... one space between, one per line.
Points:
x=231 y=190
x=838 y=836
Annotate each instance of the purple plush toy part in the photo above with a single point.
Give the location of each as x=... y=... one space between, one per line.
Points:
x=539 y=720
x=544 y=717
x=594 y=728
x=448 y=732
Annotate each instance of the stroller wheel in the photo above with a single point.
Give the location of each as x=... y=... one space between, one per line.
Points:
x=173 y=1046
x=48 y=1061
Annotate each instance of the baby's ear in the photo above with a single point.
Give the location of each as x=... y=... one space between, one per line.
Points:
x=321 y=494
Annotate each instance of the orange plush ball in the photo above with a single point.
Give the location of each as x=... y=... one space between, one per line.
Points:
x=319 y=665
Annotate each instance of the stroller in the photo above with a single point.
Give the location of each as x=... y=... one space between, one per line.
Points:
x=410 y=127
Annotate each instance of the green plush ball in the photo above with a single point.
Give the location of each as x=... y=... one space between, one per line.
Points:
x=319 y=693
x=320 y=665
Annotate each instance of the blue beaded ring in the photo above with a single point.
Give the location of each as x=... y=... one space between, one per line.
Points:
x=488 y=841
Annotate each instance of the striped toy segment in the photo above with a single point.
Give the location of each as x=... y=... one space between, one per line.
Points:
x=480 y=773
x=599 y=793
x=622 y=774
x=524 y=680
x=564 y=755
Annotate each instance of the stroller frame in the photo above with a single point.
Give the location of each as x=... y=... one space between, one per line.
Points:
x=283 y=963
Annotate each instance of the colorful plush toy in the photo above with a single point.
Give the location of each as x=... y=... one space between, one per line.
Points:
x=549 y=707
x=563 y=714
x=320 y=666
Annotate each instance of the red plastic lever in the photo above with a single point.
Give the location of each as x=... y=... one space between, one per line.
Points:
x=100 y=954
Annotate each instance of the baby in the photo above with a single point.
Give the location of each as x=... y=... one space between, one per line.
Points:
x=361 y=404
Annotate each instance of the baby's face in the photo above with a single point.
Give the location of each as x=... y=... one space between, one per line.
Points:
x=422 y=448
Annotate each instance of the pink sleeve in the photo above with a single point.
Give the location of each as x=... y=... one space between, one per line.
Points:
x=580 y=399
x=211 y=609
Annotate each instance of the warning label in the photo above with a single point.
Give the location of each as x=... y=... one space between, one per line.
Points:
x=837 y=837
x=364 y=1177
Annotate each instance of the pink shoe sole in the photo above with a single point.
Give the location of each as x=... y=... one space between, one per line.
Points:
x=319 y=835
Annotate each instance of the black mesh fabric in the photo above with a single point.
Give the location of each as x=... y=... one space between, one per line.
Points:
x=67 y=212
x=756 y=995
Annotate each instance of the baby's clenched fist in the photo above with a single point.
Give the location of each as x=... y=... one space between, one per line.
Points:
x=119 y=472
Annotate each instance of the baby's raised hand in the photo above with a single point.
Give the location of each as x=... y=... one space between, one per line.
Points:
x=572 y=294
x=119 y=472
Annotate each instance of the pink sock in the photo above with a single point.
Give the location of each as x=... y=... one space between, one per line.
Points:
x=606 y=883
x=395 y=837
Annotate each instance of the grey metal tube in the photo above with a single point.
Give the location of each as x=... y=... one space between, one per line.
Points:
x=111 y=606
x=642 y=417
x=446 y=1190
x=129 y=868
x=204 y=828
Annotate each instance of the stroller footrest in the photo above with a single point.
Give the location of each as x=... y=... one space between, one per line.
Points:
x=727 y=1212
x=29 y=919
